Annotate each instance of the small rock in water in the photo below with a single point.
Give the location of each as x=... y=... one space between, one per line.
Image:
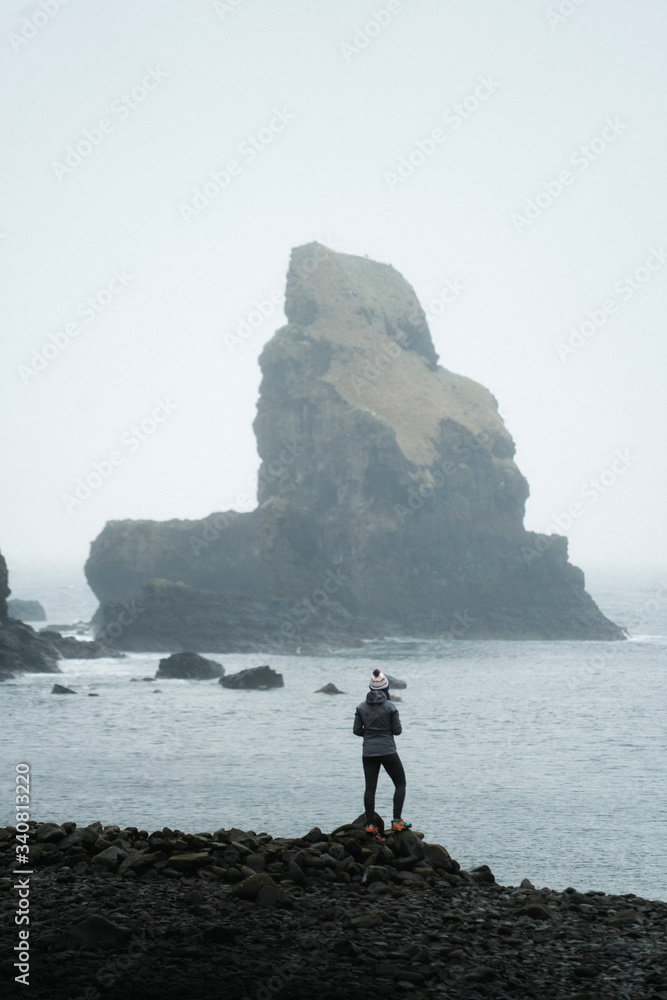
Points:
x=394 y=682
x=61 y=689
x=329 y=689
x=189 y=666
x=255 y=678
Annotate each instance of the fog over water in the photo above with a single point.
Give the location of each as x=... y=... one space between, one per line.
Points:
x=162 y=160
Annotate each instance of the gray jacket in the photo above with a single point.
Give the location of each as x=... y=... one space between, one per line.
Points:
x=376 y=719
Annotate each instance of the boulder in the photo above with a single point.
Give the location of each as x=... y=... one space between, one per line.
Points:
x=49 y=833
x=27 y=611
x=406 y=845
x=329 y=689
x=251 y=887
x=189 y=666
x=394 y=682
x=110 y=858
x=254 y=678
x=96 y=931
x=439 y=858
x=189 y=862
x=360 y=823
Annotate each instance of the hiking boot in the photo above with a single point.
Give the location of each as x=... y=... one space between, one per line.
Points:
x=373 y=830
x=399 y=824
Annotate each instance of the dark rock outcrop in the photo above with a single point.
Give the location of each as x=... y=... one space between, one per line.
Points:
x=394 y=682
x=27 y=611
x=21 y=649
x=253 y=679
x=339 y=915
x=70 y=648
x=189 y=666
x=388 y=497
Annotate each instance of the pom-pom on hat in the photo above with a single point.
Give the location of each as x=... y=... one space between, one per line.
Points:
x=378 y=681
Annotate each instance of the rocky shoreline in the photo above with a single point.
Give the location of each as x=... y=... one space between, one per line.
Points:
x=239 y=915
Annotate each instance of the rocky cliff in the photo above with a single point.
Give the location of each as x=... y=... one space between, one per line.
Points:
x=20 y=646
x=388 y=498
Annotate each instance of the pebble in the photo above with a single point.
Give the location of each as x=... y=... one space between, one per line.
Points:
x=233 y=913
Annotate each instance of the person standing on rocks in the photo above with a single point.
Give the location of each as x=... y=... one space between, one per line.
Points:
x=377 y=720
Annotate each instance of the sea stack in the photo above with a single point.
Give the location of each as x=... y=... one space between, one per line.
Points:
x=389 y=502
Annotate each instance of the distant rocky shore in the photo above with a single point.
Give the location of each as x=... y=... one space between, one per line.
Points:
x=124 y=913
x=22 y=649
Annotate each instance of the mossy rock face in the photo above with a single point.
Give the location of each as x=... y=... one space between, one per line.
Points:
x=388 y=503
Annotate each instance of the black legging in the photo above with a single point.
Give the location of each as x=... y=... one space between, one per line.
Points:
x=391 y=762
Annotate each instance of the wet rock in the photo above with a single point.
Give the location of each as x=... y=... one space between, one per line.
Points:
x=219 y=934
x=61 y=689
x=367 y=920
x=139 y=863
x=77 y=649
x=49 y=833
x=482 y=874
x=438 y=857
x=406 y=845
x=329 y=689
x=536 y=911
x=254 y=678
x=360 y=823
x=250 y=887
x=189 y=666
x=97 y=931
x=189 y=862
x=109 y=858
x=272 y=896
x=346 y=948
x=395 y=683
x=295 y=873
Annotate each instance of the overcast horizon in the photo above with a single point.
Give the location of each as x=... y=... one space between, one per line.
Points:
x=161 y=164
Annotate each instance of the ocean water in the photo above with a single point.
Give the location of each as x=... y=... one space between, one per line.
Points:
x=544 y=760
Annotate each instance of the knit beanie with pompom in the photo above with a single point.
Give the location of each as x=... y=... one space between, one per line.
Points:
x=378 y=681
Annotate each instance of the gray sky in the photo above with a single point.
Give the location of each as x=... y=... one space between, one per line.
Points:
x=128 y=268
